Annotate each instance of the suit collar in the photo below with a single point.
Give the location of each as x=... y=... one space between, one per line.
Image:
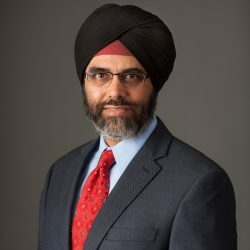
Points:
x=159 y=141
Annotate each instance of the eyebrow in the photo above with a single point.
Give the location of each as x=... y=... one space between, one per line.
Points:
x=99 y=69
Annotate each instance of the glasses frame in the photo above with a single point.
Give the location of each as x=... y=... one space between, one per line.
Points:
x=89 y=74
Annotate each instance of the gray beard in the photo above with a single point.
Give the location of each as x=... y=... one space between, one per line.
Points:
x=121 y=127
x=118 y=128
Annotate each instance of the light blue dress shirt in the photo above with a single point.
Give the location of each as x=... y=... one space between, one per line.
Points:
x=123 y=152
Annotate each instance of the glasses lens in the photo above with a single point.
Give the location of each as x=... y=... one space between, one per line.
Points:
x=99 y=79
x=132 y=78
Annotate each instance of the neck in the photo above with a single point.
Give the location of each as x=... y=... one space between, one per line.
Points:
x=111 y=143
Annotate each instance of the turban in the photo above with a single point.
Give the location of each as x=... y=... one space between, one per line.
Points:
x=143 y=33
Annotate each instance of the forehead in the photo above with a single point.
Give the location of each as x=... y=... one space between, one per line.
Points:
x=114 y=62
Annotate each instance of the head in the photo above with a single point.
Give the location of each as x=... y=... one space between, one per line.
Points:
x=118 y=108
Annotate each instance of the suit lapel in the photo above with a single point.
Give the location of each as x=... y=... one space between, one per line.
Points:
x=136 y=177
x=70 y=190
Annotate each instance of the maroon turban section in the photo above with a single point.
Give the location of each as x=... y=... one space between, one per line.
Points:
x=143 y=33
x=114 y=48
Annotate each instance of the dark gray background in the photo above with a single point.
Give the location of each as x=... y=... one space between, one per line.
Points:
x=205 y=102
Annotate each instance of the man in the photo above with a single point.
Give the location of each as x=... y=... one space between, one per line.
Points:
x=136 y=186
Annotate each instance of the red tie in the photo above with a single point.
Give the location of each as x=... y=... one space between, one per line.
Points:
x=93 y=194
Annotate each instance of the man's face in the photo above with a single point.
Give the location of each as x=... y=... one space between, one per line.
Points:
x=117 y=110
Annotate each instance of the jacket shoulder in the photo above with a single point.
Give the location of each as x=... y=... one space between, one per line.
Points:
x=190 y=159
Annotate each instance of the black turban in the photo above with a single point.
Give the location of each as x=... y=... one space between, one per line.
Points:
x=143 y=33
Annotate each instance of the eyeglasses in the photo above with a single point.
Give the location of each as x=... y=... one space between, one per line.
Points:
x=128 y=79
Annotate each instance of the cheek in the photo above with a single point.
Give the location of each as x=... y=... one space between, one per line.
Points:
x=142 y=95
x=93 y=96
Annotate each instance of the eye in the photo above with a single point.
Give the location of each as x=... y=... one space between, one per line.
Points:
x=100 y=75
x=131 y=76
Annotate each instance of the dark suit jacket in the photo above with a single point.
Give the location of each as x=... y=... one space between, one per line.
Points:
x=170 y=197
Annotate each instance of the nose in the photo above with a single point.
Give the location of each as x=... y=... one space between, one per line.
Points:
x=116 y=88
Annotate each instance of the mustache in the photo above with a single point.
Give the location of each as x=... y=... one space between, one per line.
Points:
x=118 y=102
x=115 y=102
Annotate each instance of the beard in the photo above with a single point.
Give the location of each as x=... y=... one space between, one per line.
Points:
x=118 y=128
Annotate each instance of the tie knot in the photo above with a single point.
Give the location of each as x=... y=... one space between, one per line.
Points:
x=107 y=159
